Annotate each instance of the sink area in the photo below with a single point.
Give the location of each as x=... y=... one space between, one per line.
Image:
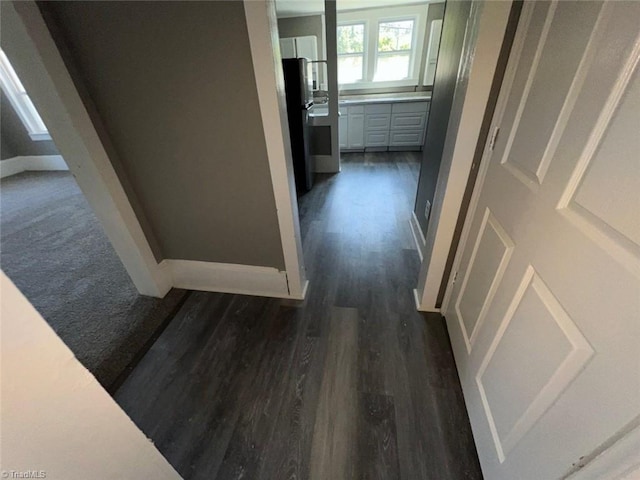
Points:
x=319 y=110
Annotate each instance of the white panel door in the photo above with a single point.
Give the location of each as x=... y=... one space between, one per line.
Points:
x=544 y=311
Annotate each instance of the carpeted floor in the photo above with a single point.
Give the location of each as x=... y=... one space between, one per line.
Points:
x=54 y=249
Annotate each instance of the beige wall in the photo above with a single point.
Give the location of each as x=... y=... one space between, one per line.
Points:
x=56 y=418
x=172 y=91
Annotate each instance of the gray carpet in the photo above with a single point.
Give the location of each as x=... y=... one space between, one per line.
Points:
x=56 y=252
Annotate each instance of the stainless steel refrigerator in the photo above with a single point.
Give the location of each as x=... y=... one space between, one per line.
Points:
x=298 y=82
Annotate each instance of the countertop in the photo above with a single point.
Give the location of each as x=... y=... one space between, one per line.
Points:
x=320 y=112
x=385 y=98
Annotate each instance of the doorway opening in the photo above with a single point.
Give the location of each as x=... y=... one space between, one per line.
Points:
x=371 y=98
x=55 y=249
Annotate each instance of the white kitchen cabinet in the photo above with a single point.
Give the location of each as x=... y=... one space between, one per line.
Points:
x=288 y=47
x=432 y=52
x=307 y=47
x=379 y=126
x=377 y=120
x=355 y=128
x=302 y=47
x=408 y=123
x=343 y=130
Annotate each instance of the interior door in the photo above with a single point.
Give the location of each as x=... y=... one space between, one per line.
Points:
x=544 y=310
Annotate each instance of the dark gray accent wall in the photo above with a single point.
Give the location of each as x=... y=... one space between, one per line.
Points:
x=453 y=28
x=15 y=140
x=174 y=88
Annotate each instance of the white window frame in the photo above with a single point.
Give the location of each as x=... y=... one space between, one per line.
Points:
x=19 y=99
x=365 y=61
x=372 y=19
x=412 y=51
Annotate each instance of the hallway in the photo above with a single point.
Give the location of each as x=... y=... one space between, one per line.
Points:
x=351 y=383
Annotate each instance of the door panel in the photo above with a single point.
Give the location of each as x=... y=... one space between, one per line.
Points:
x=544 y=311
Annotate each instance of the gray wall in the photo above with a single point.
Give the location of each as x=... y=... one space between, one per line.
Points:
x=15 y=140
x=171 y=85
x=453 y=28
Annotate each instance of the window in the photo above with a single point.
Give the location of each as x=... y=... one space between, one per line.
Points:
x=395 y=45
x=381 y=47
x=351 y=53
x=20 y=101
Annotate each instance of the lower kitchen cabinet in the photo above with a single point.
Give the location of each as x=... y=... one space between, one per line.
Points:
x=384 y=125
x=356 y=127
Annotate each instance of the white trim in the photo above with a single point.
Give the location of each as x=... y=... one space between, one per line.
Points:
x=20 y=101
x=462 y=137
x=620 y=459
x=419 y=307
x=418 y=236
x=38 y=137
x=28 y=43
x=262 y=28
x=227 y=278
x=507 y=83
x=371 y=18
x=15 y=165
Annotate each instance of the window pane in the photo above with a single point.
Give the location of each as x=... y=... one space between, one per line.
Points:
x=394 y=36
x=392 y=67
x=349 y=68
x=351 y=38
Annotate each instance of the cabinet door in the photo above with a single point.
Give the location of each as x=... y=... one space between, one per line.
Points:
x=288 y=47
x=413 y=121
x=406 y=138
x=376 y=138
x=356 y=130
x=307 y=47
x=343 y=130
x=432 y=52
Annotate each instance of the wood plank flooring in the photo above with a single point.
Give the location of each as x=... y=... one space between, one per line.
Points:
x=352 y=383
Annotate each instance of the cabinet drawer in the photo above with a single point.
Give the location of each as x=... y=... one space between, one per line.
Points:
x=377 y=121
x=408 y=138
x=414 y=121
x=410 y=107
x=356 y=108
x=377 y=108
x=376 y=139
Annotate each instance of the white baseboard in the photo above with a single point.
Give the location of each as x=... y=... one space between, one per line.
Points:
x=15 y=165
x=419 y=307
x=325 y=164
x=227 y=278
x=418 y=236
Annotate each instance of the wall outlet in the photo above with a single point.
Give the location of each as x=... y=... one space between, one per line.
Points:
x=427 y=210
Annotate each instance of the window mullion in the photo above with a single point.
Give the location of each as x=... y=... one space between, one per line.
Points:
x=371 y=54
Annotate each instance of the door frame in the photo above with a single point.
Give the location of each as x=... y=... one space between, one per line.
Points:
x=34 y=55
x=85 y=147
x=262 y=27
x=486 y=29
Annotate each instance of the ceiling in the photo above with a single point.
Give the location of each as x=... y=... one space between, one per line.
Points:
x=293 y=8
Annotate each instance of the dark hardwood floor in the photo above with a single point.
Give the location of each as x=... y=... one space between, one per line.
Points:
x=351 y=383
